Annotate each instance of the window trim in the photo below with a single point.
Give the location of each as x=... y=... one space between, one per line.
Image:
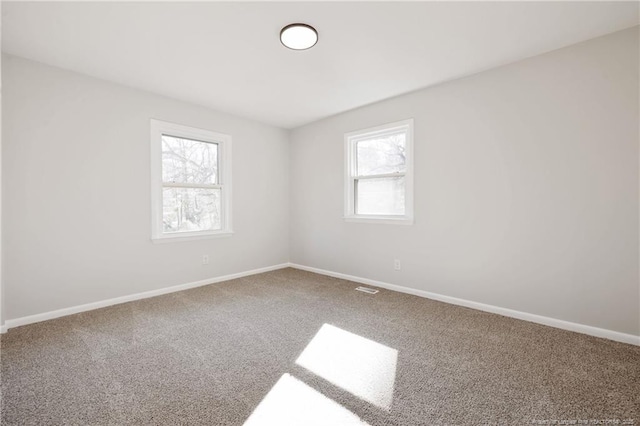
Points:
x=350 y=141
x=159 y=128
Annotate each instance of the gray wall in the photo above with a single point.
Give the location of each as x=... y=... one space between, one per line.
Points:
x=526 y=197
x=526 y=188
x=76 y=207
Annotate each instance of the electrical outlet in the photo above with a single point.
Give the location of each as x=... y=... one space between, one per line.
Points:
x=205 y=259
x=396 y=264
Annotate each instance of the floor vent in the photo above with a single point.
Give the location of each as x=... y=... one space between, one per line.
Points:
x=367 y=290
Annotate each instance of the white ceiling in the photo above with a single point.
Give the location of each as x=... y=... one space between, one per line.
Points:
x=227 y=56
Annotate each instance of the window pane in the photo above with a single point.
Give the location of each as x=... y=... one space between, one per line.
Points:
x=381 y=155
x=189 y=161
x=190 y=209
x=383 y=196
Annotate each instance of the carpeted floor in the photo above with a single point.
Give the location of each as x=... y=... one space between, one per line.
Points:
x=293 y=347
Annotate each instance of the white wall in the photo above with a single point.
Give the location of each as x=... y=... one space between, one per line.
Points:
x=76 y=203
x=1 y=252
x=526 y=188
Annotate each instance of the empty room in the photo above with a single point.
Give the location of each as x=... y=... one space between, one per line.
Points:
x=320 y=213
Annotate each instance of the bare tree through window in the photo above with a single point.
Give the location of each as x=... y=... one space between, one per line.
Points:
x=191 y=200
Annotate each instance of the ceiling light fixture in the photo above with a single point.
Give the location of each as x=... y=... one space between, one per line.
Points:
x=299 y=36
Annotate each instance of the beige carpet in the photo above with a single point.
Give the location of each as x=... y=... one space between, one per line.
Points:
x=292 y=347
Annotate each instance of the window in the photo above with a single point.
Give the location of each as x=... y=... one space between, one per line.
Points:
x=379 y=175
x=190 y=182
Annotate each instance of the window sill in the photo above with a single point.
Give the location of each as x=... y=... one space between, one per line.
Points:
x=383 y=220
x=177 y=238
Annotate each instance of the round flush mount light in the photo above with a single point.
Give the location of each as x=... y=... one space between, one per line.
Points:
x=299 y=36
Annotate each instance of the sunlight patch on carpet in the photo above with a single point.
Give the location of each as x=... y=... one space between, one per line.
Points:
x=292 y=403
x=362 y=367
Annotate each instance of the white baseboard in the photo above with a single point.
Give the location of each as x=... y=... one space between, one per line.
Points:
x=123 y=299
x=552 y=322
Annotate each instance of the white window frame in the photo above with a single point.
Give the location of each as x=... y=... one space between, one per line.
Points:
x=351 y=139
x=159 y=128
